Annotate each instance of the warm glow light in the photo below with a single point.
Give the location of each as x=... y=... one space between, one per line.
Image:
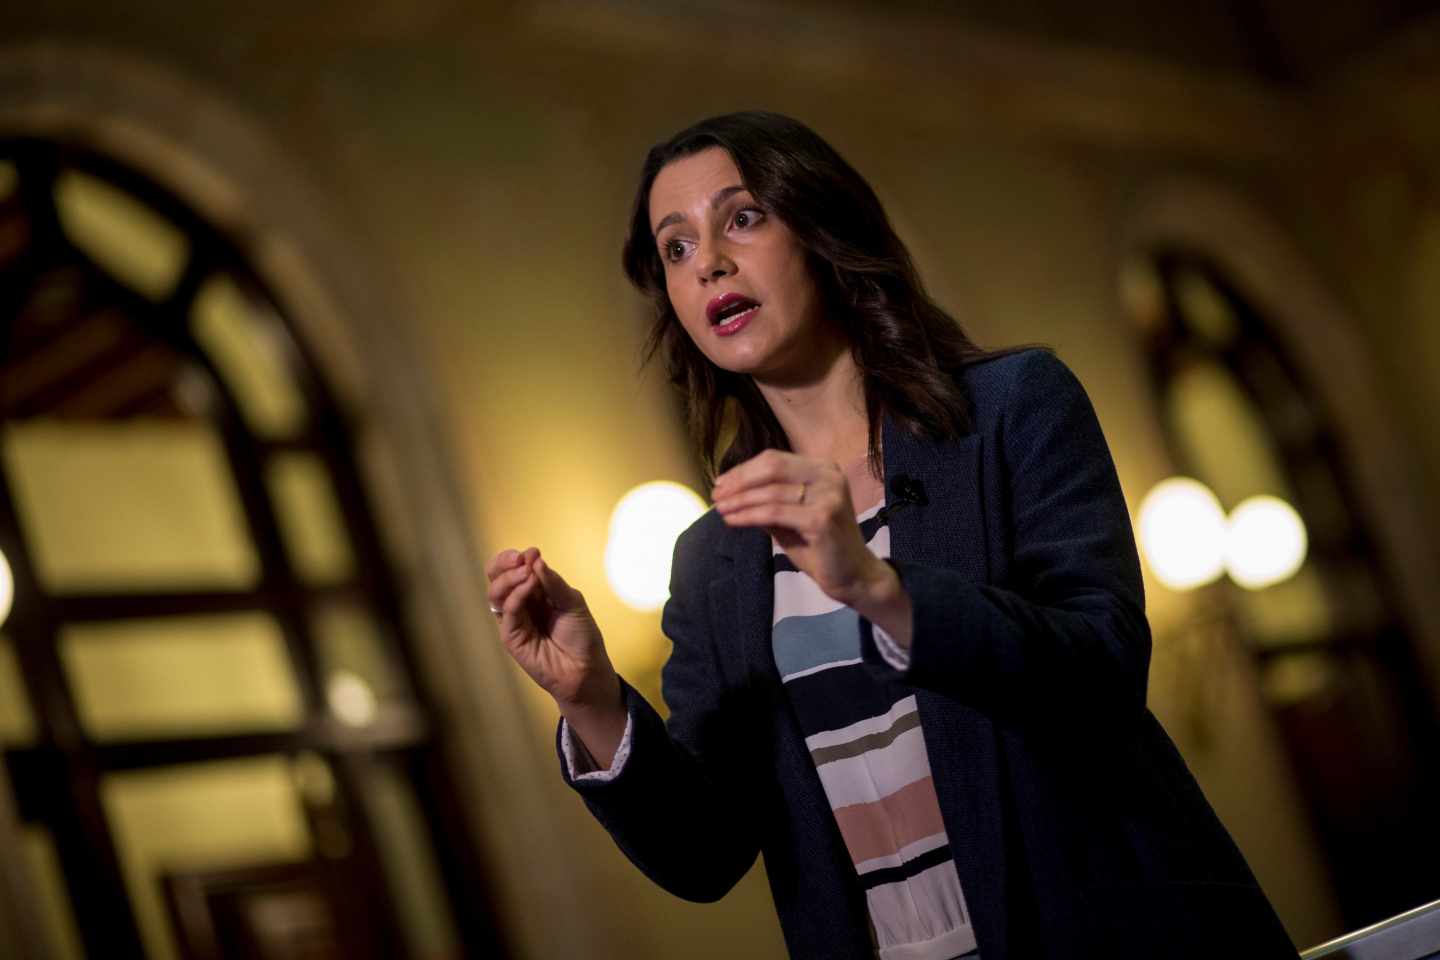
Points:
x=1182 y=532
x=643 y=529
x=351 y=698
x=1266 y=542
x=7 y=589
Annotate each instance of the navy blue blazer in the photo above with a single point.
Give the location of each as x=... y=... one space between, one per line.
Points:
x=1077 y=829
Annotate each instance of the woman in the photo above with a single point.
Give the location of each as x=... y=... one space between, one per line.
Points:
x=910 y=648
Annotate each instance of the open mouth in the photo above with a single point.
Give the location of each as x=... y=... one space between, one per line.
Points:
x=727 y=307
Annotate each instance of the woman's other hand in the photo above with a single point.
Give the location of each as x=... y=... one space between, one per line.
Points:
x=805 y=505
x=547 y=627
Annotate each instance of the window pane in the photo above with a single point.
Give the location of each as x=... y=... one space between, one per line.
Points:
x=181 y=676
x=129 y=505
x=1222 y=434
x=349 y=638
x=1297 y=610
x=403 y=837
x=252 y=351
x=57 y=917
x=1299 y=677
x=123 y=235
x=309 y=517
x=205 y=816
x=1204 y=310
x=17 y=721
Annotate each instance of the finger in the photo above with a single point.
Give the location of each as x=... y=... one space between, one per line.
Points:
x=513 y=610
x=768 y=493
x=501 y=562
x=766 y=467
x=501 y=586
x=776 y=467
x=803 y=518
x=563 y=597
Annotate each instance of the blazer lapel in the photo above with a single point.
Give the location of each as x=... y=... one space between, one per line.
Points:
x=745 y=600
x=948 y=530
x=946 y=527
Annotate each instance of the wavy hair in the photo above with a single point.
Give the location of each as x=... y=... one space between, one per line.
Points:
x=908 y=350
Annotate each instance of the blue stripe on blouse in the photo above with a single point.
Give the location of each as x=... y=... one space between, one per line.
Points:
x=804 y=643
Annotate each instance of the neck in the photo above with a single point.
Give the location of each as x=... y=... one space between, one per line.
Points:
x=824 y=415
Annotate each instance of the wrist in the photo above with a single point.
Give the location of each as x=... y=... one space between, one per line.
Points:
x=883 y=601
x=596 y=696
x=598 y=722
x=877 y=588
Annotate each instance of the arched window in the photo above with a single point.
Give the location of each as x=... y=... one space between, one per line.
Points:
x=208 y=693
x=1336 y=661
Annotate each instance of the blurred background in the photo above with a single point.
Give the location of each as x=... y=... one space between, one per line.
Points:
x=306 y=309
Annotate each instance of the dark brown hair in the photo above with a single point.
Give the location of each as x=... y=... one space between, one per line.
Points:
x=908 y=350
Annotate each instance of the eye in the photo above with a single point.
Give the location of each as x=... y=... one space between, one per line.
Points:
x=748 y=217
x=674 y=249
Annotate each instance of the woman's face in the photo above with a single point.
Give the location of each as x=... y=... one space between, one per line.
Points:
x=736 y=275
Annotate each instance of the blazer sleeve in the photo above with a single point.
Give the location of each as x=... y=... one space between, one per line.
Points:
x=1067 y=630
x=679 y=807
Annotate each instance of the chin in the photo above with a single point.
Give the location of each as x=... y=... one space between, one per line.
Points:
x=746 y=364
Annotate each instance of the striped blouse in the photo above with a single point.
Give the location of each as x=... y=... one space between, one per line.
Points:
x=863 y=731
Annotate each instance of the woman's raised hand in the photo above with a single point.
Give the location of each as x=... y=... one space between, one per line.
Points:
x=548 y=629
x=805 y=505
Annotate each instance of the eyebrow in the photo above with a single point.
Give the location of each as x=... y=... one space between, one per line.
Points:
x=717 y=198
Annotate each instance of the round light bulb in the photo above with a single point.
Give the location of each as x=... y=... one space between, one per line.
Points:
x=643 y=528
x=1182 y=533
x=7 y=589
x=1266 y=542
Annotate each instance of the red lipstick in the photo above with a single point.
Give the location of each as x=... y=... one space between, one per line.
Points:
x=730 y=312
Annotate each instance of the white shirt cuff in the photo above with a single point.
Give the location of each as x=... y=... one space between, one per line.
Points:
x=893 y=654
x=581 y=765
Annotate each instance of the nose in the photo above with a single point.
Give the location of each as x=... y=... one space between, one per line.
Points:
x=713 y=264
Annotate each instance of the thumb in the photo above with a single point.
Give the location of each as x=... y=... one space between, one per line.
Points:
x=562 y=596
